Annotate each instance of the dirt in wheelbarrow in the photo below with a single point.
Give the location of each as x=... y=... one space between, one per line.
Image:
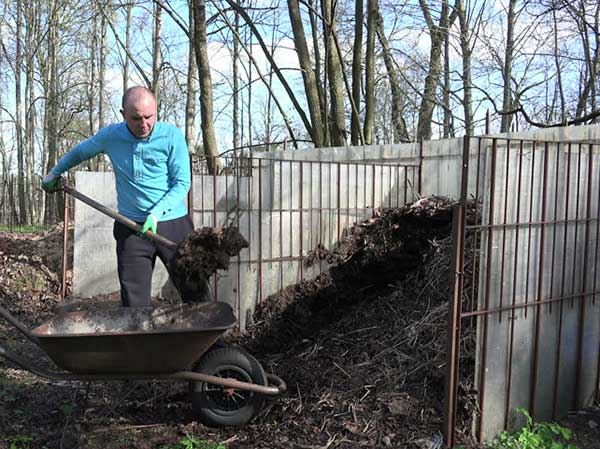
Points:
x=361 y=347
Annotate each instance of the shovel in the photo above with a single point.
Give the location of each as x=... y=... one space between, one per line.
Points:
x=118 y=217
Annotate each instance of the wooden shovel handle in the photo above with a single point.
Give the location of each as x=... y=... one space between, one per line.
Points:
x=117 y=216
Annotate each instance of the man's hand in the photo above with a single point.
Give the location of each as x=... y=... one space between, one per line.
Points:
x=51 y=182
x=150 y=224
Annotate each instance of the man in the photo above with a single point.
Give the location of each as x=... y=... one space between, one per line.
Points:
x=152 y=173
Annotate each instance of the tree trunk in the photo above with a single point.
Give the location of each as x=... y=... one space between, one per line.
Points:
x=369 y=124
x=398 y=123
x=192 y=91
x=563 y=107
x=321 y=89
x=102 y=71
x=237 y=142
x=308 y=74
x=22 y=205
x=357 y=69
x=91 y=86
x=466 y=67
x=588 y=93
x=157 y=57
x=447 y=111
x=428 y=101
x=334 y=70
x=30 y=115
x=128 y=13
x=54 y=203
x=507 y=98
x=206 y=96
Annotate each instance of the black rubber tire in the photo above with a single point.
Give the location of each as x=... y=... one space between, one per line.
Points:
x=211 y=404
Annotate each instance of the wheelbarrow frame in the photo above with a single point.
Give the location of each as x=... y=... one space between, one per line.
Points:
x=276 y=385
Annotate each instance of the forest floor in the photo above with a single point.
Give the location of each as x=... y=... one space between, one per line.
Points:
x=362 y=349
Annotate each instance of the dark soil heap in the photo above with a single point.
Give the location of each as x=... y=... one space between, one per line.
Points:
x=363 y=346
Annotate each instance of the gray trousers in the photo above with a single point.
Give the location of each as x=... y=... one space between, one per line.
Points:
x=136 y=257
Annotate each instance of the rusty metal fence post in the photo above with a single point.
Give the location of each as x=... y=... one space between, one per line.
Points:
x=455 y=304
x=65 y=248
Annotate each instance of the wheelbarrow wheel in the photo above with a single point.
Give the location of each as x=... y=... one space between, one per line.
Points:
x=219 y=406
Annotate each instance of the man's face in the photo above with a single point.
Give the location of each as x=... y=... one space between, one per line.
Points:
x=140 y=114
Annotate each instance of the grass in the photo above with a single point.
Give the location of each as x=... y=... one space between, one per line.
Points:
x=533 y=435
x=23 y=229
x=20 y=442
x=191 y=442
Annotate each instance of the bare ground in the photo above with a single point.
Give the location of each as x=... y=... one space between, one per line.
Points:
x=362 y=349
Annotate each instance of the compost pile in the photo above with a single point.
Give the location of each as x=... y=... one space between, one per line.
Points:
x=201 y=254
x=363 y=346
x=30 y=272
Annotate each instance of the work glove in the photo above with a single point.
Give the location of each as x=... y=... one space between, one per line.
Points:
x=51 y=182
x=150 y=224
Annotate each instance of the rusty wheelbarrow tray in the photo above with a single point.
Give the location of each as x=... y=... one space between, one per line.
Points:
x=166 y=343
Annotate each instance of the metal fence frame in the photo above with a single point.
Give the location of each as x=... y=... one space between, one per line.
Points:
x=536 y=265
x=284 y=208
x=302 y=204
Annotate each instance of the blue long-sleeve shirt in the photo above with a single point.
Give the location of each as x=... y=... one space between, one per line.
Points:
x=152 y=174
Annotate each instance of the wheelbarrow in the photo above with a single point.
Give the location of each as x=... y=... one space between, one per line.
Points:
x=228 y=386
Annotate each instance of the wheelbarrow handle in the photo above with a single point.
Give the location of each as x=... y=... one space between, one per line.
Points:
x=16 y=323
x=117 y=216
x=276 y=385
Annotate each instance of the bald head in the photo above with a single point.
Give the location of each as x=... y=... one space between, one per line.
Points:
x=139 y=110
x=136 y=94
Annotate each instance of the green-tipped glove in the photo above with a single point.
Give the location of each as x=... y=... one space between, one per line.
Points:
x=150 y=224
x=51 y=182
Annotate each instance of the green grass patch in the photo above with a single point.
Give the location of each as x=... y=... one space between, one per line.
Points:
x=20 y=442
x=23 y=229
x=191 y=442
x=534 y=435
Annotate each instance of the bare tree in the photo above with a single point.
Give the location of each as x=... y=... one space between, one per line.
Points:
x=31 y=39
x=128 y=13
x=191 y=88
x=369 y=120
x=308 y=74
x=157 y=54
x=467 y=40
x=357 y=69
x=399 y=124
x=338 y=120
x=321 y=79
x=236 y=85
x=588 y=26
x=507 y=97
x=50 y=80
x=206 y=94
x=437 y=34
x=19 y=114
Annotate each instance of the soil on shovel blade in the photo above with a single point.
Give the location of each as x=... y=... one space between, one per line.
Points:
x=201 y=254
x=361 y=347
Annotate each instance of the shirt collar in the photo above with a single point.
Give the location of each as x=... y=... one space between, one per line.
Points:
x=141 y=139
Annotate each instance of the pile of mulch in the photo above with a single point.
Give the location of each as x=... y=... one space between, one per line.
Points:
x=363 y=346
x=31 y=272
